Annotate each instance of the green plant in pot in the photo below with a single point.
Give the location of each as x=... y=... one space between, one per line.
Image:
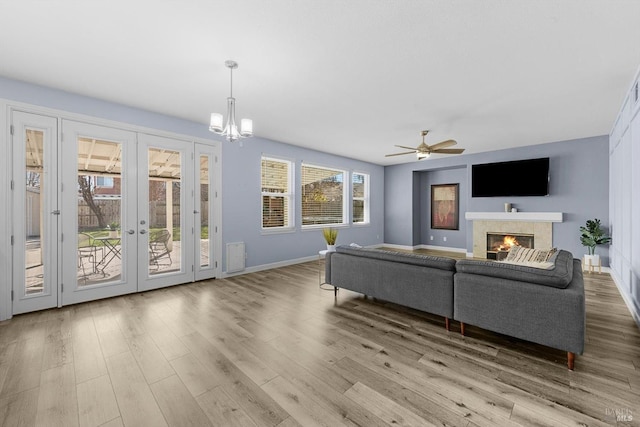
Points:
x=592 y=235
x=330 y=236
x=113 y=229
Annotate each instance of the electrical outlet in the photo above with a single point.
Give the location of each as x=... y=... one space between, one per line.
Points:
x=430 y=237
x=444 y=238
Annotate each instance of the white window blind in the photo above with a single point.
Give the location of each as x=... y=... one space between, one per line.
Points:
x=276 y=177
x=360 y=192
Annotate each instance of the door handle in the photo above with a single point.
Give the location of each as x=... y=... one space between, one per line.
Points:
x=143 y=231
x=131 y=231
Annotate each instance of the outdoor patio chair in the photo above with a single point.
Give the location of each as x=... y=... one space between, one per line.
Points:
x=159 y=248
x=87 y=250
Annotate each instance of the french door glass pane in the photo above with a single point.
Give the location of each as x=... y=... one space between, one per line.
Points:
x=35 y=184
x=204 y=211
x=100 y=184
x=165 y=184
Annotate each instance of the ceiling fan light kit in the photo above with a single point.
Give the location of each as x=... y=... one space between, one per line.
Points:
x=423 y=151
x=230 y=130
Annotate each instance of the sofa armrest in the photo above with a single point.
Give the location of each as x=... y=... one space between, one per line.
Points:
x=327 y=267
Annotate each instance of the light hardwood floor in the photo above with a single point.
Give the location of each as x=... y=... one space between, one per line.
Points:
x=272 y=349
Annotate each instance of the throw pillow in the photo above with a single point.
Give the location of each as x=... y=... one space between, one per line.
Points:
x=518 y=254
x=553 y=254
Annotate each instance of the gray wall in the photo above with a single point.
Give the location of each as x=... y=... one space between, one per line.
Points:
x=579 y=183
x=241 y=200
x=242 y=203
x=455 y=238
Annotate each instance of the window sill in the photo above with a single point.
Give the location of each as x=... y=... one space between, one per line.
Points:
x=316 y=227
x=267 y=232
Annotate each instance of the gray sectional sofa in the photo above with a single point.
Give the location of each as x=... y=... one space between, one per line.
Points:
x=542 y=306
x=417 y=281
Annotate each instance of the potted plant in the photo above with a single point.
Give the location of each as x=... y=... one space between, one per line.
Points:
x=591 y=236
x=113 y=229
x=330 y=236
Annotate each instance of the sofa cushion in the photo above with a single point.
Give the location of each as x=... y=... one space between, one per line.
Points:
x=442 y=263
x=558 y=277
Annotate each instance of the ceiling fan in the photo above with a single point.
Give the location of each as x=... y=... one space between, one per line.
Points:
x=423 y=150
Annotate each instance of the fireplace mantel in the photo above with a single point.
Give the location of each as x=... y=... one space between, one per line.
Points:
x=515 y=216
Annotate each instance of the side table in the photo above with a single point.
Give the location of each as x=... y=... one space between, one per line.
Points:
x=321 y=255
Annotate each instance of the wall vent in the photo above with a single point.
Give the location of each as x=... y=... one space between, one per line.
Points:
x=235 y=257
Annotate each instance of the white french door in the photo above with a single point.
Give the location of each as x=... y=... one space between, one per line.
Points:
x=205 y=213
x=99 y=211
x=165 y=212
x=35 y=212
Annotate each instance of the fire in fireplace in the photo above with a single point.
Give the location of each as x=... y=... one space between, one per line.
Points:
x=498 y=244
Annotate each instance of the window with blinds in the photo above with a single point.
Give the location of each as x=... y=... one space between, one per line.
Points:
x=276 y=181
x=360 y=194
x=322 y=193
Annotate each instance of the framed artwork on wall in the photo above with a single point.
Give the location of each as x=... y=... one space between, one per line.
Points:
x=445 y=214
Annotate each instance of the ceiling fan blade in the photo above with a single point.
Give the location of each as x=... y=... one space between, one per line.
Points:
x=443 y=144
x=406 y=148
x=401 y=154
x=448 y=151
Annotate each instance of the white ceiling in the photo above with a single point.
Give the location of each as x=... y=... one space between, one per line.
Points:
x=350 y=77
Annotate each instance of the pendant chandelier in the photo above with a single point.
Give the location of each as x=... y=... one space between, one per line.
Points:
x=230 y=130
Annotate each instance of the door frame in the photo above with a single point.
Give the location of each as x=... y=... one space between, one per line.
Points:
x=49 y=223
x=215 y=212
x=6 y=108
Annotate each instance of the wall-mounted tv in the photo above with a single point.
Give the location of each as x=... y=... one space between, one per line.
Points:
x=528 y=177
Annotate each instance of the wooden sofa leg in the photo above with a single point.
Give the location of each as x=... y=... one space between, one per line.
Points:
x=461 y=328
x=446 y=323
x=571 y=357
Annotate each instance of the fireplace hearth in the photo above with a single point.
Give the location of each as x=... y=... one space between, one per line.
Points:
x=499 y=244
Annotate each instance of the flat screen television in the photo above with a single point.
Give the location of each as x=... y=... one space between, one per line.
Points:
x=528 y=177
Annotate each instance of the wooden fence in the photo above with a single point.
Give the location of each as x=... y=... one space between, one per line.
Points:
x=111 y=211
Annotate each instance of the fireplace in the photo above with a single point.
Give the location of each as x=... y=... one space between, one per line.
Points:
x=498 y=244
x=538 y=224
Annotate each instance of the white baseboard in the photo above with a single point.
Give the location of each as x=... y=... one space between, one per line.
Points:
x=443 y=248
x=633 y=309
x=392 y=246
x=270 y=266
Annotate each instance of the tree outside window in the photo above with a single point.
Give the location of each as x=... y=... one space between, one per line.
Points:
x=360 y=195
x=323 y=196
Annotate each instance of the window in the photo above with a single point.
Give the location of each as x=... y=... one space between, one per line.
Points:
x=104 y=181
x=276 y=181
x=323 y=196
x=360 y=192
